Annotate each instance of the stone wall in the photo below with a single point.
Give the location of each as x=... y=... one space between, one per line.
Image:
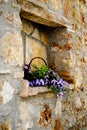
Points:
x=57 y=31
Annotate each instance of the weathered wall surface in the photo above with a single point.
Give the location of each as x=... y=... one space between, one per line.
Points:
x=67 y=55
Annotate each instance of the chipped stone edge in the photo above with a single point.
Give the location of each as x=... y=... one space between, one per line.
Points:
x=39 y=90
x=5 y=71
x=64 y=21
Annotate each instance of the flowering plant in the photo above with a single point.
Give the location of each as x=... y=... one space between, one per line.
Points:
x=45 y=76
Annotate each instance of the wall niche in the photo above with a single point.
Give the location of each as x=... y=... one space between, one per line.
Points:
x=50 y=43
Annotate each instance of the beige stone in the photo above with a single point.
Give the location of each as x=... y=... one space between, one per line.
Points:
x=78 y=78
x=24 y=111
x=49 y=94
x=12 y=49
x=1 y=85
x=69 y=62
x=85 y=58
x=58 y=107
x=44 y=38
x=67 y=8
x=57 y=5
x=8 y=16
x=5 y=71
x=76 y=14
x=6 y=125
x=33 y=91
x=34 y=49
x=37 y=90
x=44 y=1
x=27 y=91
x=83 y=8
x=24 y=93
x=21 y=128
x=78 y=103
x=27 y=26
x=36 y=12
x=1 y=99
x=13 y=18
x=18 y=74
x=17 y=20
x=7 y=92
x=36 y=34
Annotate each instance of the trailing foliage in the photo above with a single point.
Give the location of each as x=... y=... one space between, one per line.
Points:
x=45 y=76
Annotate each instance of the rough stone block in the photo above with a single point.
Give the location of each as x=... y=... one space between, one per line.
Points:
x=25 y=112
x=60 y=37
x=45 y=118
x=85 y=59
x=24 y=93
x=6 y=125
x=7 y=92
x=58 y=107
x=12 y=49
x=49 y=94
x=62 y=60
x=44 y=37
x=19 y=74
x=36 y=34
x=1 y=85
x=58 y=125
x=31 y=51
x=5 y=71
x=83 y=8
x=37 y=90
x=78 y=104
x=27 y=26
x=41 y=14
x=27 y=91
x=78 y=78
x=67 y=10
x=64 y=63
x=57 y=5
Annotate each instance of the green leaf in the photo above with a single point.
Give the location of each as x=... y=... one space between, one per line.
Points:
x=54 y=89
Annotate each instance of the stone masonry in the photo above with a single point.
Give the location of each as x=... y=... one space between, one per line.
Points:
x=57 y=31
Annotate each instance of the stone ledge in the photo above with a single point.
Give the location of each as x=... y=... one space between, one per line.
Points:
x=27 y=91
x=36 y=12
x=5 y=71
x=36 y=90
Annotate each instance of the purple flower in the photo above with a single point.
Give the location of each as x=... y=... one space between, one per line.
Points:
x=46 y=81
x=62 y=86
x=47 y=76
x=54 y=82
x=59 y=81
x=26 y=66
x=47 y=73
x=60 y=94
x=31 y=84
x=29 y=72
x=65 y=83
x=34 y=83
x=53 y=72
x=38 y=83
x=42 y=82
x=64 y=92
